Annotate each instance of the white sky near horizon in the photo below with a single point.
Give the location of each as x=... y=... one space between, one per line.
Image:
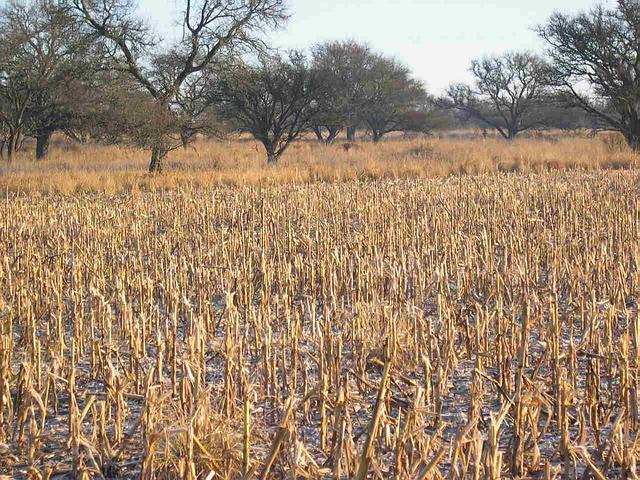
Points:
x=437 y=39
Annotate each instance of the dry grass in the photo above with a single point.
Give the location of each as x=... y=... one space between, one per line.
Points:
x=463 y=327
x=74 y=168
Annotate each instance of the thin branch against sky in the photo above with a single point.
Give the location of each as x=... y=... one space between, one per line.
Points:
x=436 y=38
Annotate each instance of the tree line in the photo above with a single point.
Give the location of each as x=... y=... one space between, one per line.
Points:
x=95 y=71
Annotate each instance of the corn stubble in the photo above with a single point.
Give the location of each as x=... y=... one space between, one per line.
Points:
x=481 y=327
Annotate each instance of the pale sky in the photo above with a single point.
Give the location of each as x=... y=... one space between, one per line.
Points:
x=436 y=38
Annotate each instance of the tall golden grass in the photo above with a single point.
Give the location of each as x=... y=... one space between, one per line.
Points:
x=77 y=168
x=228 y=320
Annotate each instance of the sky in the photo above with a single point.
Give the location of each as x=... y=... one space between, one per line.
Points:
x=437 y=39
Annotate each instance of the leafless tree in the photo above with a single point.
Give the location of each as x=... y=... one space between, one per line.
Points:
x=211 y=28
x=508 y=92
x=43 y=54
x=344 y=68
x=600 y=49
x=393 y=99
x=192 y=109
x=276 y=101
x=363 y=88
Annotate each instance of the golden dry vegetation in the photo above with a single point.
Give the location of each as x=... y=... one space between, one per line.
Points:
x=74 y=168
x=226 y=320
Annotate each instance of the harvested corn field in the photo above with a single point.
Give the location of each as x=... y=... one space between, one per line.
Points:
x=468 y=327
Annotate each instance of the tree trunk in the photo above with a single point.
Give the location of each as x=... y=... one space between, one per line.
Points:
x=333 y=133
x=271 y=147
x=633 y=140
x=158 y=153
x=318 y=132
x=11 y=145
x=377 y=136
x=184 y=138
x=42 y=145
x=272 y=158
x=351 y=134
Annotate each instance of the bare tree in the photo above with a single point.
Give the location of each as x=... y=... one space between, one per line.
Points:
x=344 y=68
x=393 y=99
x=600 y=49
x=58 y=107
x=211 y=28
x=507 y=94
x=276 y=101
x=122 y=112
x=42 y=54
x=192 y=106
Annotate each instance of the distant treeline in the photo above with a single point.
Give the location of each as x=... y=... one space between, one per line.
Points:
x=94 y=70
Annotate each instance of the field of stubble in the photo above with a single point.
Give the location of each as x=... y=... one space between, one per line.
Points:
x=479 y=326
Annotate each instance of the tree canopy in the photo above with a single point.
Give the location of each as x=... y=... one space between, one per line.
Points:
x=595 y=57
